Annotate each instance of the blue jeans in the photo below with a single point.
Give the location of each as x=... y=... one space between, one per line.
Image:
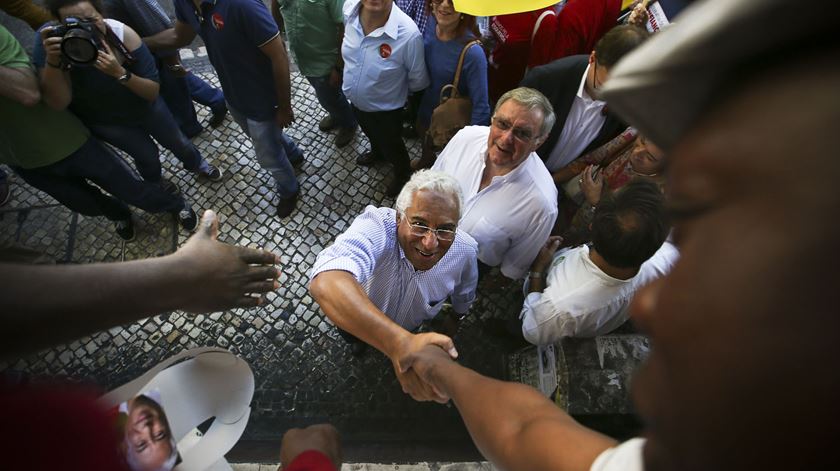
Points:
x=136 y=141
x=67 y=182
x=275 y=151
x=334 y=101
x=176 y=94
x=205 y=94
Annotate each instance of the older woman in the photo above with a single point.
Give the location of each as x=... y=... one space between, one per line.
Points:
x=447 y=32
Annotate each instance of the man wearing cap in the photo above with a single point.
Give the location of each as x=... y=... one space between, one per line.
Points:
x=741 y=329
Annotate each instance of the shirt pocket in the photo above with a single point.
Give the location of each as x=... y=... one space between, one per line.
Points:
x=433 y=308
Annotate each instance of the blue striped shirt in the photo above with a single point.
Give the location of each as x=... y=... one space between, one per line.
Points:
x=371 y=252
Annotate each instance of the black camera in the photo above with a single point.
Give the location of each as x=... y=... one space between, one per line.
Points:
x=81 y=40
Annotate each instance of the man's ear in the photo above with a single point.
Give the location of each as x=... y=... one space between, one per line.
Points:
x=592 y=57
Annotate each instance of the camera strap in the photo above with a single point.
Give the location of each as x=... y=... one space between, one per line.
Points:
x=114 y=41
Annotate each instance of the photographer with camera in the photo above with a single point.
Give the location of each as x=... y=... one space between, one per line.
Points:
x=101 y=69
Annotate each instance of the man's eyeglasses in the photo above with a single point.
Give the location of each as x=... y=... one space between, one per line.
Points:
x=436 y=3
x=420 y=230
x=522 y=135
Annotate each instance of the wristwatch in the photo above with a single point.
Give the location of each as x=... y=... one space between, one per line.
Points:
x=125 y=77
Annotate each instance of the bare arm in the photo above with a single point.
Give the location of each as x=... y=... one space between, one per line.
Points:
x=108 y=63
x=344 y=301
x=47 y=304
x=275 y=50
x=20 y=85
x=54 y=80
x=601 y=157
x=179 y=36
x=513 y=425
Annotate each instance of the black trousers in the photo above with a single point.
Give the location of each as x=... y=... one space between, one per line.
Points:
x=384 y=131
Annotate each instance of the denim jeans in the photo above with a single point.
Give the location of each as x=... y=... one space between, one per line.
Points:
x=334 y=101
x=205 y=94
x=275 y=151
x=67 y=182
x=176 y=94
x=137 y=141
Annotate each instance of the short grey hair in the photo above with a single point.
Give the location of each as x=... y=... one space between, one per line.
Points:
x=530 y=99
x=431 y=180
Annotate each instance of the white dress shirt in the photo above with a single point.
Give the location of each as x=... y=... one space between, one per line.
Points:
x=580 y=300
x=371 y=252
x=380 y=68
x=512 y=217
x=625 y=456
x=583 y=123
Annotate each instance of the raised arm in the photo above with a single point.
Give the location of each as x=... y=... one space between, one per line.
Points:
x=142 y=81
x=344 y=301
x=513 y=425
x=601 y=156
x=73 y=300
x=181 y=35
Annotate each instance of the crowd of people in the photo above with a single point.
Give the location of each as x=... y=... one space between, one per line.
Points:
x=551 y=188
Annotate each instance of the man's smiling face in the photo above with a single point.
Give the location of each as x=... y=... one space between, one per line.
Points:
x=434 y=210
x=514 y=134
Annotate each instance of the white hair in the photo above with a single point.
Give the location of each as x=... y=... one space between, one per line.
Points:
x=431 y=180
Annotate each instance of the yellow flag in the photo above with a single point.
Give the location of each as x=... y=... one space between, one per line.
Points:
x=499 y=7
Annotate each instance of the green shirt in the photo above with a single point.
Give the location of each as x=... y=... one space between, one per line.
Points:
x=33 y=136
x=312 y=31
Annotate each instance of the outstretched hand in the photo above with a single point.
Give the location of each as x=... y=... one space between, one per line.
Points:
x=403 y=362
x=221 y=276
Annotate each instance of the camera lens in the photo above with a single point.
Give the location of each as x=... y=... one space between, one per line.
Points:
x=79 y=47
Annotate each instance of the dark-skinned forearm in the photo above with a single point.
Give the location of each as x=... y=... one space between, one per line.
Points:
x=514 y=426
x=74 y=300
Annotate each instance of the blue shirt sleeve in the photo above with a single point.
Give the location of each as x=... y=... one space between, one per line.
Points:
x=39 y=54
x=144 y=65
x=475 y=77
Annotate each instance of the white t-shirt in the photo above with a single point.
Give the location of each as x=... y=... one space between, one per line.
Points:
x=512 y=217
x=626 y=456
x=580 y=300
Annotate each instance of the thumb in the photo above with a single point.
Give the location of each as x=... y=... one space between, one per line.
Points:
x=209 y=225
x=445 y=343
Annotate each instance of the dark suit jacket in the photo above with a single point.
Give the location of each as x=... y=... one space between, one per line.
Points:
x=559 y=82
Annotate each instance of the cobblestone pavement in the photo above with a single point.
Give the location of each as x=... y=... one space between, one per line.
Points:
x=304 y=372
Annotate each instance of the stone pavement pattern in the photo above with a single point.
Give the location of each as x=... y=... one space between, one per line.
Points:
x=304 y=372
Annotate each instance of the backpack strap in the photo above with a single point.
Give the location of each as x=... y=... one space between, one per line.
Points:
x=539 y=22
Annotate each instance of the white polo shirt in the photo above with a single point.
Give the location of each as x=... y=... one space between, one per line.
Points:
x=511 y=218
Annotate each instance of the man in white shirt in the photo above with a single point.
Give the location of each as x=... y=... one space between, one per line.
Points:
x=383 y=61
x=510 y=201
x=586 y=291
x=573 y=85
x=393 y=269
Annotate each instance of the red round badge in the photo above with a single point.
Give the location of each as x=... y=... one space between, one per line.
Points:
x=384 y=51
x=218 y=21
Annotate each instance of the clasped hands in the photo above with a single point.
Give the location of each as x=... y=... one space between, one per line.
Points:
x=410 y=367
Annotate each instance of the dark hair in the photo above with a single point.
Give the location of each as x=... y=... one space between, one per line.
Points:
x=466 y=23
x=630 y=226
x=54 y=5
x=618 y=42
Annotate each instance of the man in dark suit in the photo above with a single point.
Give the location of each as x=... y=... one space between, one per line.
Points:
x=572 y=85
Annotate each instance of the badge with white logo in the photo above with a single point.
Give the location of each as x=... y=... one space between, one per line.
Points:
x=384 y=51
